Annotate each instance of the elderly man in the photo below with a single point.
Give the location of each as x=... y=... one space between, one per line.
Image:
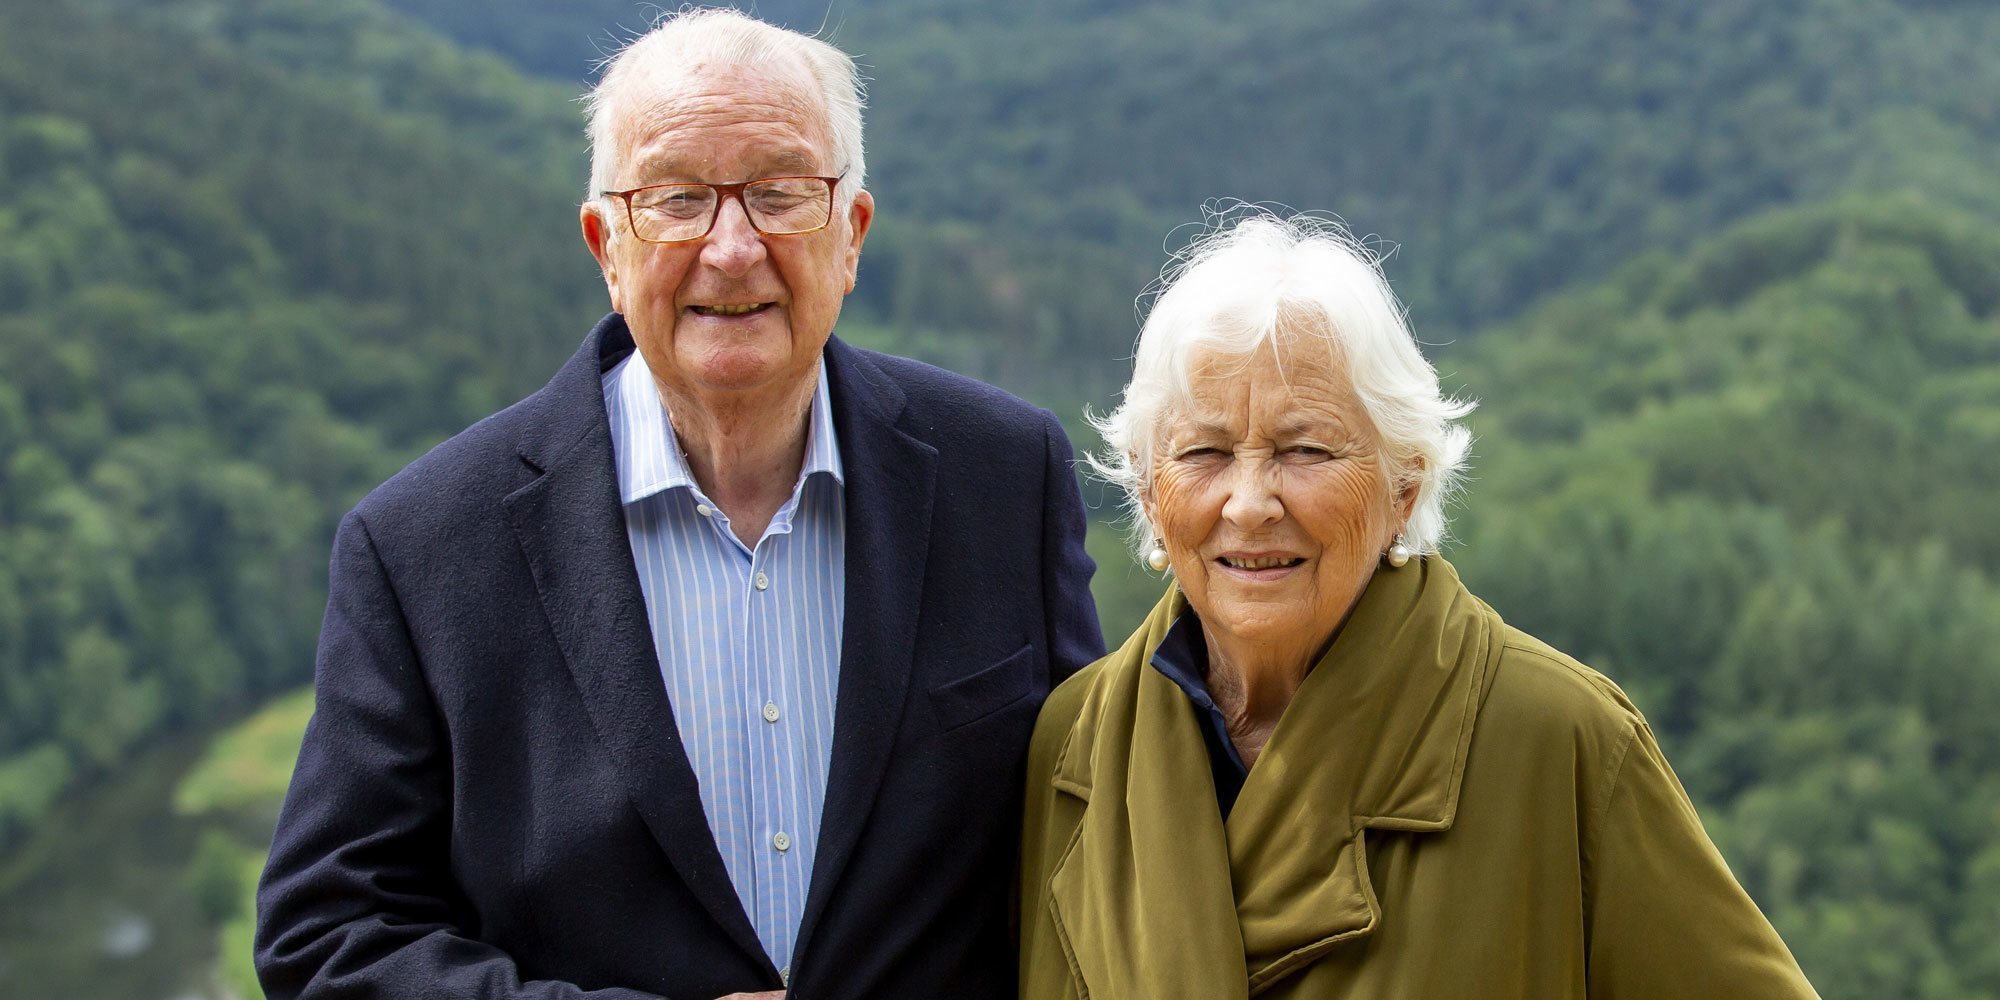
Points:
x=709 y=668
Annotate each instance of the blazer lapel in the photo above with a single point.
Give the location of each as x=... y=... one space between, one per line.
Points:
x=890 y=477
x=571 y=528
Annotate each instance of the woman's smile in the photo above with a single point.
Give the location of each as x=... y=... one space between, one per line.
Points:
x=1260 y=567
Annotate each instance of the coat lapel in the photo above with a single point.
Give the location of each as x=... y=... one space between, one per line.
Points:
x=888 y=492
x=1376 y=738
x=1142 y=895
x=571 y=528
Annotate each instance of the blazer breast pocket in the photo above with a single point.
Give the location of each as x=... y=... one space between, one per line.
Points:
x=965 y=700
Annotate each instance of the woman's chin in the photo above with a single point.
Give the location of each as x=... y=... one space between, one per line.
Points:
x=1257 y=621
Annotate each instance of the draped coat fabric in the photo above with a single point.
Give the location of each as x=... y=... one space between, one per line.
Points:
x=1448 y=808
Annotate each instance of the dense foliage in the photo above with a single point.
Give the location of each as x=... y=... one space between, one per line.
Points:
x=1048 y=146
x=254 y=255
x=229 y=301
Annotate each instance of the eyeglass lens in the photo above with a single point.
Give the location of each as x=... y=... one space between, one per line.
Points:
x=777 y=207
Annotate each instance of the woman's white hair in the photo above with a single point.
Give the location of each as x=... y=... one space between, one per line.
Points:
x=1257 y=278
x=714 y=37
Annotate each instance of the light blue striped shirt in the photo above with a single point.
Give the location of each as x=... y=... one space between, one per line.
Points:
x=748 y=640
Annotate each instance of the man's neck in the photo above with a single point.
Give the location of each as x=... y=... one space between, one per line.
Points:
x=745 y=449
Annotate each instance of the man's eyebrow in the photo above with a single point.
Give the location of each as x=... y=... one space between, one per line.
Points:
x=793 y=160
x=668 y=167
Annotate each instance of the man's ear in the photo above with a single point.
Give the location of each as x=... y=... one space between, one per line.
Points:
x=597 y=236
x=860 y=215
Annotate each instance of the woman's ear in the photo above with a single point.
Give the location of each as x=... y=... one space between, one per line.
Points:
x=1407 y=491
x=1145 y=490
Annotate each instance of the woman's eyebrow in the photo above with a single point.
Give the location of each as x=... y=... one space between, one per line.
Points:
x=1309 y=425
x=1199 y=429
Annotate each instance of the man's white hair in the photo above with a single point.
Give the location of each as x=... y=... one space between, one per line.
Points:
x=720 y=37
x=1292 y=283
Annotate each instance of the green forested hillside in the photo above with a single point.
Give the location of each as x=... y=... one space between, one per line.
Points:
x=1726 y=277
x=231 y=298
x=1031 y=156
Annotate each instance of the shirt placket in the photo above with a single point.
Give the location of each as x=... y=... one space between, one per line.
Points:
x=780 y=849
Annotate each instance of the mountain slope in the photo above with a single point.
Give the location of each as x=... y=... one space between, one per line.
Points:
x=1512 y=149
x=231 y=298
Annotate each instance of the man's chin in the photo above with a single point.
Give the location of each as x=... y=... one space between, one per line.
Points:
x=747 y=363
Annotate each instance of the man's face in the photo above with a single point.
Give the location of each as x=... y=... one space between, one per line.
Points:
x=735 y=309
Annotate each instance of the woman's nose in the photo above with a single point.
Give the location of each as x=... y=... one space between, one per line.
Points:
x=1253 y=495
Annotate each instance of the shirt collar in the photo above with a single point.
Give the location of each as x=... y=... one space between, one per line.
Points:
x=648 y=453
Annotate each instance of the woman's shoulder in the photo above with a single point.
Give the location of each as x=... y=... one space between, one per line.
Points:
x=1541 y=695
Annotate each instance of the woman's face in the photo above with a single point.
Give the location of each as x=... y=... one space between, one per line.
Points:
x=1269 y=496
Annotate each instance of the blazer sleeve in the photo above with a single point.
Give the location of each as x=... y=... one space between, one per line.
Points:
x=357 y=899
x=1075 y=639
x=1666 y=916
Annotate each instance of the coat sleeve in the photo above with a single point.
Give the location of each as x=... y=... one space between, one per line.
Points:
x=1075 y=639
x=357 y=899
x=1666 y=916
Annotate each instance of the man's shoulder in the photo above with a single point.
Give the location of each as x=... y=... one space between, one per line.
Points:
x=466 y=474
x=946 y=400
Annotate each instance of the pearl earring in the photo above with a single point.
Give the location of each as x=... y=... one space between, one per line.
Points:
x=1399 y=553
x=1157 y=559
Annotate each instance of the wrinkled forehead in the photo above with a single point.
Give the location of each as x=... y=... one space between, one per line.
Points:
x=675 y=120
x=1271 y=388
x=1282 y=365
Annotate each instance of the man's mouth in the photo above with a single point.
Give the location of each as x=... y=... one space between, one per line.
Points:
x=744 y=309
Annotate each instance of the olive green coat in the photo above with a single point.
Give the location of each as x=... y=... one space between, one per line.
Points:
x=1448 y=808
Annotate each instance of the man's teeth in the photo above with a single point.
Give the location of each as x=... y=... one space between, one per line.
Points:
x=1270 y=563
x=730 y=310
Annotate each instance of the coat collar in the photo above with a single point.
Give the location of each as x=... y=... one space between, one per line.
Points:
x=571 y=528
x=1376 y=738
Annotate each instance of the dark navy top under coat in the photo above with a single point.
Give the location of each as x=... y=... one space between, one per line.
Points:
x=1183 y=658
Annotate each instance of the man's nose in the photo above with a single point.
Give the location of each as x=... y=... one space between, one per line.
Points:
x=1253 y=494
x=733 y=246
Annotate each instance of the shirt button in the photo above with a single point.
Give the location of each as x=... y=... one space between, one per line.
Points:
x=763 y=582
x=703 y=509
x=782 y=841
x=770 y=711
x=785 y=975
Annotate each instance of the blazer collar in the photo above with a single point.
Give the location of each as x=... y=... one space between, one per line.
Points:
x=571 y=529
x=1376 y=737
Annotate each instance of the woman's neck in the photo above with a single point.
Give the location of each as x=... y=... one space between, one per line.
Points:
x=1252 y=683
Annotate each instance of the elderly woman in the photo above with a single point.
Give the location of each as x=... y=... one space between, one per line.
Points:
x=1321 y=768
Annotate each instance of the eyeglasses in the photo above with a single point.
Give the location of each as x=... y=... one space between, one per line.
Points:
x=776 y=206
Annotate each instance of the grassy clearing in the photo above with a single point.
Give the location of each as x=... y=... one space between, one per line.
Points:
x=249 y=765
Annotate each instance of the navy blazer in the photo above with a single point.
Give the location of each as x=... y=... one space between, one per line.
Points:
x=493 y=801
